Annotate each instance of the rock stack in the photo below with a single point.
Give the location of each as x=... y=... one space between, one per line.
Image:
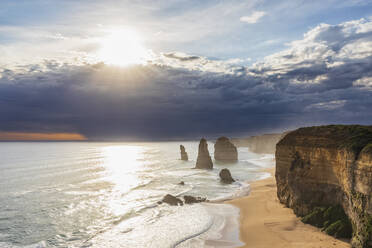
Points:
x=225 y=151
x=184 y=156
x=204 y=160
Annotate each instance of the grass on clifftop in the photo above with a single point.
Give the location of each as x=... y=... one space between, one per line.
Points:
x=354 y=137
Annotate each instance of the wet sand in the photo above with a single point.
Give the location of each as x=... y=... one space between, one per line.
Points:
x=264 y=222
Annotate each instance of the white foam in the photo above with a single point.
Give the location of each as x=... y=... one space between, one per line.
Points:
x=243 y=190
x=264 y=175
x=175 y=225
x=41 y=244
x=264 y=160
x=223 y=232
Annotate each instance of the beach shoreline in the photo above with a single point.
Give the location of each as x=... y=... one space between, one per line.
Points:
x=264 y=222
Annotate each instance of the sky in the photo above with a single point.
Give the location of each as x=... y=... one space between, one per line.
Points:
x=158 y=70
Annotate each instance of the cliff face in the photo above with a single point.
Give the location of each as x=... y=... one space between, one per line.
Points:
x=260 y=144
x=225 y=151
x=328 y=166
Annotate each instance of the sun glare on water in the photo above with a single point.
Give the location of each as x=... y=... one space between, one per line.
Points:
x=121 y=163
x=123 y=47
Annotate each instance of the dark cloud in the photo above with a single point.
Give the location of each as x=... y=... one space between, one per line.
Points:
x=181 y=57
x=324 y=78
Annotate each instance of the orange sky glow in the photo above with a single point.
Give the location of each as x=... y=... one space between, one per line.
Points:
x=18 y=136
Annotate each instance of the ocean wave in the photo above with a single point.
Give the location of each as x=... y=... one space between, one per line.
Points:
x=243 y=190
x=41 y=244
x=172 y=226
x=224 y=231
x=102 y=205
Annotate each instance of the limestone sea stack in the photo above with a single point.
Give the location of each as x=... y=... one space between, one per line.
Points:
x=325 y=175
x=204 y=160
x=184 y=156
x=225 y=151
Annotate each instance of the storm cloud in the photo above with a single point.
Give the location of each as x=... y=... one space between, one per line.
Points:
x=326 y=77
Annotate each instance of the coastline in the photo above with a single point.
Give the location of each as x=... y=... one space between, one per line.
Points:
x=264 y=222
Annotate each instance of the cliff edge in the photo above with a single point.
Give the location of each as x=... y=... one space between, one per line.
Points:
x=329 y=167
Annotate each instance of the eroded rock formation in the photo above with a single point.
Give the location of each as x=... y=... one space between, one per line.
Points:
x=204 y=160
x=328 y=166
x=184 y=156
x=225 y=151
x=225 y=176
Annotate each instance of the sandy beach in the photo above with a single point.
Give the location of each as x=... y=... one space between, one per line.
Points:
x=264 y=222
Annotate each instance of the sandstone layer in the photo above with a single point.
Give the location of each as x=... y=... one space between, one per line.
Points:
x=225 y=151
x=328 y=166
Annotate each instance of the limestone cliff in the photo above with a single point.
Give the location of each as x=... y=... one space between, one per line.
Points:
x=225 y=151
x=328 y=166
x=259 y=144
x=204 y=160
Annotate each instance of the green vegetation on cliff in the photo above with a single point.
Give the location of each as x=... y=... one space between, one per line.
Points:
x=368 y=148
x=332 y=220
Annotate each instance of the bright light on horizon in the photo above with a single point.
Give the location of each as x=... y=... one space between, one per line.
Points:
x=123 y=47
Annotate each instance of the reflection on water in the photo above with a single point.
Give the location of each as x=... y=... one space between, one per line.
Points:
x=78 y=194
x=122 y=164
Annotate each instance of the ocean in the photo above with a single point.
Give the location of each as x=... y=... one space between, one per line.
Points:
x=86 y=194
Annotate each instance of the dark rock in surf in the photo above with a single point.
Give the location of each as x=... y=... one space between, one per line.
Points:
x=204 y=160
x=191 y=199
x=225 y=176
x=225 y=151
x=181 y=183
x=184 y=156
x=172 y=200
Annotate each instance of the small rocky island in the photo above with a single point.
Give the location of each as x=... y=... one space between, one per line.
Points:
x=226 y=177
x=225 y=151
x=184 y=156
x=325 y=175
x=204 y=160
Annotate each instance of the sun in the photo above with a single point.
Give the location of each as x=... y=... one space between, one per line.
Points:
x=123 y=47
